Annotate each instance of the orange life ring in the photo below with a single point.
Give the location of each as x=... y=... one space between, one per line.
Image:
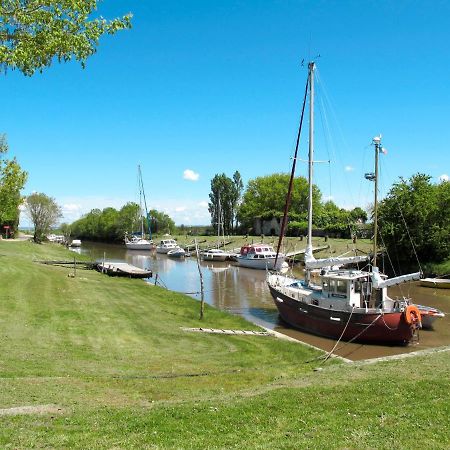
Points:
x=412 y=314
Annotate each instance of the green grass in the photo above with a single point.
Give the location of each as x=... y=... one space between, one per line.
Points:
x=109 y=352
x=336 y=246
x=441 y=269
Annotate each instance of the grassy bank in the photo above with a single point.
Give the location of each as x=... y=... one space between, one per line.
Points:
x=103 y=363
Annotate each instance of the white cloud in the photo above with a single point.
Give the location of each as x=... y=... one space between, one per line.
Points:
x=190 y=175
x=349 y=168
x=180 y=208
x=71 y=207
x=203 y=204
x=443 y=177
x=328 y=198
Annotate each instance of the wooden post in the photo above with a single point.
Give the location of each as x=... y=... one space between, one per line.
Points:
x=74 y=267
x=202 y=298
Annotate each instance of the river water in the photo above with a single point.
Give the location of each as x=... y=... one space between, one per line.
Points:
x=244 y=292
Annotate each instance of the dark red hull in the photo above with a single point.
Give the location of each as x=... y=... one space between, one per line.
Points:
x=388 y=328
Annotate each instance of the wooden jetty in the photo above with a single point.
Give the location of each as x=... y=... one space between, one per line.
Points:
x=70 y=264
x=123 y=270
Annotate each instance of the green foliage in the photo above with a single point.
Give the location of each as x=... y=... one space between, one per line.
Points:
x=416 y=210
x=12 y=181
x=110 y=225
x=44 y=212
x=295 y=228
x=161 y=222
x=35 y=32
x=266 y=196
x=227 y=192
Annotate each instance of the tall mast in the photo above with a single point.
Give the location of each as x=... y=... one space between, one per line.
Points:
x=377 y=143
x=140 y=200
x=311 y=68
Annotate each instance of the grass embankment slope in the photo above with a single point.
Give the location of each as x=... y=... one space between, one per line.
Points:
x=102 y=363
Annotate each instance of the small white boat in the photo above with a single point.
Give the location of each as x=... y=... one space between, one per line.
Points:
x=75 y=243
x=260 y=256
x=440 y=283
x=138 y=243
x=428 y=315
x=214 y=254
x=177 y=252
x=166 y=245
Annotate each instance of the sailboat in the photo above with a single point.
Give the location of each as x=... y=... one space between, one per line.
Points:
x=216 y=254
x=138 y=242
x=344 y=304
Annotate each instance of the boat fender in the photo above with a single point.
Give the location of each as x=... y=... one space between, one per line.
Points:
x=412 y=315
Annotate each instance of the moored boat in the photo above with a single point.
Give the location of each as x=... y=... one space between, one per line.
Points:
x=429 y=315
x=259 y=256
x=75 y=243
x=177 y=252
x=439 y=283
x=166 y=245
x=347 y=304
x=138 y=243
x=214 y=254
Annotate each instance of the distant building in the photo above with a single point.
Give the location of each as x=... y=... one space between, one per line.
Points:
x=268 y=227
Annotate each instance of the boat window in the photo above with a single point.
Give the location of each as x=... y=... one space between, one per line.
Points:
x=325 y=284
x=258 y=249
x=341 y=286
x=332 y=285
x=357 y=287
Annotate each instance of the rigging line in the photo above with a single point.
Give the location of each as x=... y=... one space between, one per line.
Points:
x=145 y=202
x=361 y=179
x=326 y=133
x=340 y=133
x=406 y=227
x=360 y=333
x=291 y=180
x=410 y=239
x=340 y=337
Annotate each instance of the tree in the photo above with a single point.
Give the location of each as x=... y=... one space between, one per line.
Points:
x=161 y=222
x=236 y=195
x=222 y=197
x=35 y=32
x=43 y=212
x=12 y=181
x=265 y=197
x=415 y=218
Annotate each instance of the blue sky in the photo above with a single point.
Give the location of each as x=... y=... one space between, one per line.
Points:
x=214 y=87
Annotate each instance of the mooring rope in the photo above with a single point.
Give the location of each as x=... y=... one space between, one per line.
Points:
x=340 y=337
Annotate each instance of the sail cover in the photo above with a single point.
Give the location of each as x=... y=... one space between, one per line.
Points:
x=379 y=283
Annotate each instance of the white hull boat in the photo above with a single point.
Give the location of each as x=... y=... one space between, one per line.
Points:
x=139 y=244
x=166 y=245
x=177 y=253
x=260 y=256
x=214 y=254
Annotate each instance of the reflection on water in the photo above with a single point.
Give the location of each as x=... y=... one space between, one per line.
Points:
x=244 y=292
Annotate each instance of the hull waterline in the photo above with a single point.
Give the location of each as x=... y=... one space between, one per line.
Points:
x=376 y=328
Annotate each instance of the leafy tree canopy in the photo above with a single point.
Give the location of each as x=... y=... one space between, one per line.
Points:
x=44 y=212
x=12 y=181
x=266 y=196
x=110 y=225
x=419 y=211
x=224 y=200
x=34 y=32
